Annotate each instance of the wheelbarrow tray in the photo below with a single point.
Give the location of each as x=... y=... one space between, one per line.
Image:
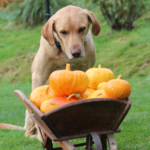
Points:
x=77 y=119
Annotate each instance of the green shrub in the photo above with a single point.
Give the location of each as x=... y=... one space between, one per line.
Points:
x=30 y=12
x=120 y=14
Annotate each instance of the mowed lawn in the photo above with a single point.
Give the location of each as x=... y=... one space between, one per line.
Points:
x=134 y=133
x=125 y=52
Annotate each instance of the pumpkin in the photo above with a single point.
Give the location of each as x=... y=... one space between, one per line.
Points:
x=66 y=82
x=101 y=86
x=62 y=100
x=98 y=94
x=40 y=94
x=98 y=75
x=118 y=88
x=87 y=93
x=47 y=106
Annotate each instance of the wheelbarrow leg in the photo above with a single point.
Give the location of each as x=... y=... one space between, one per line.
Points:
x=104 y=141
x=48 y=144
x=112 y=142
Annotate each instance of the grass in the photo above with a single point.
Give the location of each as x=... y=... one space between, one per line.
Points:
x=124 y=52
x=135 y=127
x=134 y=133
x=18 y=49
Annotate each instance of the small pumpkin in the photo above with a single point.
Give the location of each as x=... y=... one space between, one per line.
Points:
x=47 y=106
x=98 y=94
x=66 y=82
x=62 y=100
x=98 y=75
x=118 y=88
x=101 y=86
x=87 y=93
x=40 y=94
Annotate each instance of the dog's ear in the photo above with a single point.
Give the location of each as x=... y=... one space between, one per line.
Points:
x=95 y=24
x=47 y=31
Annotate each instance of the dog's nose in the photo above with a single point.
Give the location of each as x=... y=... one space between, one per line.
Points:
x=75 y=52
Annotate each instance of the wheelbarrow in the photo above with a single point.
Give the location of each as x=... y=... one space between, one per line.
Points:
x=95 y=119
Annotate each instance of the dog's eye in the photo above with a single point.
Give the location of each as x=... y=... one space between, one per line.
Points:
x=81 y=29
x=63 y=32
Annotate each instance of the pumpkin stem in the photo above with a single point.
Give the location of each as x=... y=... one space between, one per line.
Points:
x=47 y=89
x=52 y=103
x=76 y=95
x=119 y=77
x=99 y=66
x=68 y=67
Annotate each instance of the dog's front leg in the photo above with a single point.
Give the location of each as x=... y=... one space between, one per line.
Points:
x=38 y=79
x=29 y=125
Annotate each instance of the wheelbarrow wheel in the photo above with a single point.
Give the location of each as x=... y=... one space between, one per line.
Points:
x=96 y=139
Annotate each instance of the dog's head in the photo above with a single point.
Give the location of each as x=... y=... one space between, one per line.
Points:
x=69 y=26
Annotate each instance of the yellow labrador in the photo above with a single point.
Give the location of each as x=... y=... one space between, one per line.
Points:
x=66 y=38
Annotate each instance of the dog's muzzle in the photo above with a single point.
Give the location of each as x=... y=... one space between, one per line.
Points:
x=76 y=52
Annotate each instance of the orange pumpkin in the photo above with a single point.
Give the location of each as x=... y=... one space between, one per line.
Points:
x=66 y=82
x=87 y=93
x=118 y=88
x=101 y=86
x=98 y=75
x=63 y=100
x=40 y=94
x=98 y=94
x=47 y=106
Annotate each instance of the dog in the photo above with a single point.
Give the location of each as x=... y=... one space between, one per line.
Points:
x=66 y=38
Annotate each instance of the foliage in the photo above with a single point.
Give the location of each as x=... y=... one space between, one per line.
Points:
x=81 y=3
x=120 y=14
x=30 y=12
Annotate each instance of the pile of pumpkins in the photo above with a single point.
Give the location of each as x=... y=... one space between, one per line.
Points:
x=67 y=86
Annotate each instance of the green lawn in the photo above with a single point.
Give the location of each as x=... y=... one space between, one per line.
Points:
x=125 y=52
x=134 y=133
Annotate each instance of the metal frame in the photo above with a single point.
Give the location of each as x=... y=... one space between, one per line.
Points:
x=47 y=10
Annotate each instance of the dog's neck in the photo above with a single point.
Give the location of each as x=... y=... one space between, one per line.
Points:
x=57 y=43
